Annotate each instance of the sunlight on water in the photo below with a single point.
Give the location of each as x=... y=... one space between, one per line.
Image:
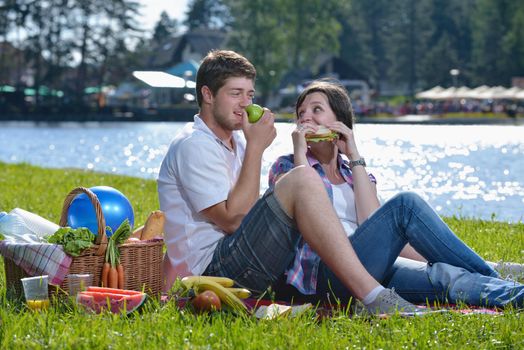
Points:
x=468 y=171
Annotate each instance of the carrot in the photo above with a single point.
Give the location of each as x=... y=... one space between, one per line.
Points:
x=121 y=276
x=113 y=278
x=105 y=274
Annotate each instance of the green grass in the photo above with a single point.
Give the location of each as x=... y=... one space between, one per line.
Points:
x=164 y=326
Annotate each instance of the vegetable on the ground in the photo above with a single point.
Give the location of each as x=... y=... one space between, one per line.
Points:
x=105 y=274
x=121 y=276
x=121 y=234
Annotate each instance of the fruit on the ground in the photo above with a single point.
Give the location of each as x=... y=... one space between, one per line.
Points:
x=98 y=299
x=223 y=281
x=242 y=293
x=254 y=112
x=206 y=301
x=200 y=284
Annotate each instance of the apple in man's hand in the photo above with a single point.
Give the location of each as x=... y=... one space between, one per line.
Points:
x=254 y=112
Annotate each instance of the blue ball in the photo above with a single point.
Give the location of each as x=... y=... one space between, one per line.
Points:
x=115 y=207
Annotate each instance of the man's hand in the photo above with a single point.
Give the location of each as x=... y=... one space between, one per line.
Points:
x=261 y=134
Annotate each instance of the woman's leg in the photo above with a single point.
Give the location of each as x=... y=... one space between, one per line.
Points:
x=406 y=218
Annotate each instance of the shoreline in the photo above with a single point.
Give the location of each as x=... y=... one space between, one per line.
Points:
x=187 y=116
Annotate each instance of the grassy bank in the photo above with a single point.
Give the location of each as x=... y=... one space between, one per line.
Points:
x=165 y=327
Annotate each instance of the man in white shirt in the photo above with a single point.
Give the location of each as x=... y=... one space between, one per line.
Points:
x=208 y=187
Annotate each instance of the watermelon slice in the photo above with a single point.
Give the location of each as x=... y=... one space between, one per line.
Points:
x=113 y=300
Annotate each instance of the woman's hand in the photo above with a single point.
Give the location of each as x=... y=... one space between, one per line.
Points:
x=299 y=142
x=346 y=141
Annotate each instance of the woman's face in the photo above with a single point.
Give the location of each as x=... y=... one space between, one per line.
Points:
x=316 y=110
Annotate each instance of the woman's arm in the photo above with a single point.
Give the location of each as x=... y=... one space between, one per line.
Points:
x=366 y=200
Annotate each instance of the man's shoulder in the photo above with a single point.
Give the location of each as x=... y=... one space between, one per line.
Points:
x=193 y=138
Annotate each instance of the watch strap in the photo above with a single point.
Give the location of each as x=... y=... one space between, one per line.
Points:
x=360 y=161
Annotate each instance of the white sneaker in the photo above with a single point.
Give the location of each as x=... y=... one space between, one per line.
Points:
x=508 y=270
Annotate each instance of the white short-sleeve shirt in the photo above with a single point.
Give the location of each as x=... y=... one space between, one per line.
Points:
x=197 y=172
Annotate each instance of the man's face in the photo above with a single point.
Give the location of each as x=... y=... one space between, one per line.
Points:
x=230 y=102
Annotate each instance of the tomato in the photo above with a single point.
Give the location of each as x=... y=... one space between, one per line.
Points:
x=206 y=301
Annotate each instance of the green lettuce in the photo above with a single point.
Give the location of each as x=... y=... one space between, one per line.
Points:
x=73 y=240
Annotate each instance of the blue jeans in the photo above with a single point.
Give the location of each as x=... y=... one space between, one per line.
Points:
x=259 y=252
x=454 y=273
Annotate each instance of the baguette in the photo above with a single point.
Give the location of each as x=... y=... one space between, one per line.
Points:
x=137 y=233
x=154 y=226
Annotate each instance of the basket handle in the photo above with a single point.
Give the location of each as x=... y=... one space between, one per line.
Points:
x=101 y=237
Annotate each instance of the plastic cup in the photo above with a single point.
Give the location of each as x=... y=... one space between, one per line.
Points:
x=36 y=292
x=78 y=283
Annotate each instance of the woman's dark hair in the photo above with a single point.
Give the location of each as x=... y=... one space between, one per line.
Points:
x=337 y=96
x=217 y=67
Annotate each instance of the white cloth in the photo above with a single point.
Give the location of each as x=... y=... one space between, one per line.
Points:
x=197 y=172
x=344 y=203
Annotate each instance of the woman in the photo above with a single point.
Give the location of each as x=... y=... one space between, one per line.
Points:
x=434 y=264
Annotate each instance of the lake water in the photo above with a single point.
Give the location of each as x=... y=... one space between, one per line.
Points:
x=463 y=170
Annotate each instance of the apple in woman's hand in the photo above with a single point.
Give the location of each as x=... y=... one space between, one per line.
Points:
x=206 y=301
x=254 y=112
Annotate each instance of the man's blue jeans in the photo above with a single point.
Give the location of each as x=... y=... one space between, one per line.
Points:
x=454 y=273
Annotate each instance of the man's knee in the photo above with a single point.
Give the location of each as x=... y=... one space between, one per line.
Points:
x=290 y=188
x=299 y=177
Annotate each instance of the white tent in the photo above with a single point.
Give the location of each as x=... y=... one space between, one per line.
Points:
x=482 y=92
x=462 y=92
x=429 y=94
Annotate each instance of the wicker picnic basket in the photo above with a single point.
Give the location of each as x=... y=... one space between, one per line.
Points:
x=142 y=261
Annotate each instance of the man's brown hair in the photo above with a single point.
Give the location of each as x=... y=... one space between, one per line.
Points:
x=217 y=67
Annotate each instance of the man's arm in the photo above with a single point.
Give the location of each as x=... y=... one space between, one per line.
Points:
x=229 y=214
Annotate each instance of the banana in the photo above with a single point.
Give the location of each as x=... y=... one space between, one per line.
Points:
x=189 y=281
x=222 y=292
x=242 y=293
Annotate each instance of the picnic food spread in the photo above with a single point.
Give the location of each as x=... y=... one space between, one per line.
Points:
x=218 y=285
x=98 y=299
x=107 y=254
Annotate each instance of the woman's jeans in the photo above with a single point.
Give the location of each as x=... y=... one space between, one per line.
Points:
x=454 y=273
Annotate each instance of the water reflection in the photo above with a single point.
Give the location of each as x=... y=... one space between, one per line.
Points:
x=462 y=170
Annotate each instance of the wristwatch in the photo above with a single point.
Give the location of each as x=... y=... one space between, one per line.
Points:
x=353 y=163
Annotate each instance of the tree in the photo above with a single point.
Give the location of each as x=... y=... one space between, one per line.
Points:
x=279 y=35
x=370 y=26
x=165 y=28
x=491 y=20
x=211 y=14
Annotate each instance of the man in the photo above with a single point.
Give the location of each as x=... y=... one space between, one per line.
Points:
x=208 y=187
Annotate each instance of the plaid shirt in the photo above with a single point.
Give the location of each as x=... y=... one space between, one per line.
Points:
x=303 y=273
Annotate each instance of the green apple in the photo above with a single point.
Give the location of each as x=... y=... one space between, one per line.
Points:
x=254 y=112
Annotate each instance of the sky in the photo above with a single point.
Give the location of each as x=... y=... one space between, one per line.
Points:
x=151 y=10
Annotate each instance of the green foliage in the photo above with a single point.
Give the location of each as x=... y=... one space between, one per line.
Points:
x=206 y=14
x=165 y=28
x=280 y=36
x=165 y=326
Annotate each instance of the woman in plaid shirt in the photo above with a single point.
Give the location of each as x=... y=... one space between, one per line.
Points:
x=439 y=267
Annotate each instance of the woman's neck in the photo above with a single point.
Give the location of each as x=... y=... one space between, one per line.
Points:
x=328 y=159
